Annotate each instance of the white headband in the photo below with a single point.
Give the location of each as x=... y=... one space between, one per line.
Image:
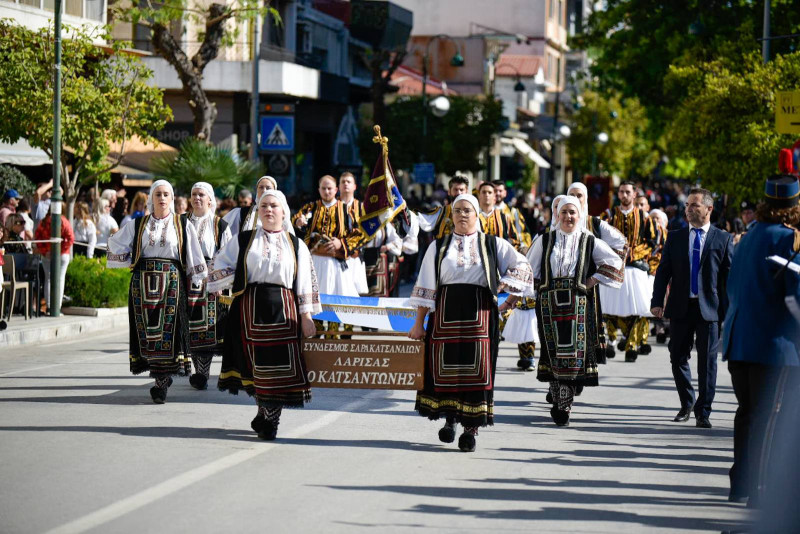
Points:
x=569 y=199
x=282 y=199
x=469 y=197
x=554 y=211
x=156 y=184
x=205 y=186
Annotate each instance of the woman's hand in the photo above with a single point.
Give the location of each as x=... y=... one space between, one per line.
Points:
x=591 y=282
x=307 y=326
x=417 y=332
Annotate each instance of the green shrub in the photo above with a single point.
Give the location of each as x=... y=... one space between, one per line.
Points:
x=12 y=178
x=91 y=284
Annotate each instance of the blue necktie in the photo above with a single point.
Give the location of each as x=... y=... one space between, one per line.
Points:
x=696 y=260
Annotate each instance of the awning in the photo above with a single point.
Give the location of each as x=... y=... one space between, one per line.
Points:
x=137 y=159
x=21 y=153
x=527 y=150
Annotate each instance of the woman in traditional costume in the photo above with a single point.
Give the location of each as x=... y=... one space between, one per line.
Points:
x=275 y=293
x=377 y=262
x=522 y=327
x=240 y=219
x=206 y=311
x=567 y=263
x=600 y=229
x=458 y=283
x=165 y=256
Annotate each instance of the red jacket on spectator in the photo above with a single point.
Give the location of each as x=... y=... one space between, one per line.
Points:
x=43 y=232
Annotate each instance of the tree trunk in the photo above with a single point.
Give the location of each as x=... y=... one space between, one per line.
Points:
x=190 y=72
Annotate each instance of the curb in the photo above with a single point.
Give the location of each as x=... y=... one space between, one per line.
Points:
x=66 y=327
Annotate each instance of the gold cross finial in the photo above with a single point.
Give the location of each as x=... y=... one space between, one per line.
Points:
x=384 y=141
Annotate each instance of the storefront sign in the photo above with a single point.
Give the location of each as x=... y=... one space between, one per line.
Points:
x=358 y=364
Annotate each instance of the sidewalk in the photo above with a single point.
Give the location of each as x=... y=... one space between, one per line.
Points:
x=48 y=329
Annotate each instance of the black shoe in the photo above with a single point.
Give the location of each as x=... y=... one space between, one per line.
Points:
x=645 y=349
x=683 y=415
x=631 y=355
x=610 y=352
x=158 y=395
x=3 y=325
x=703 y=422
x=447 y=434
x=269 y=431
x=257 y=424
x=653 y=331
x=621 y=345
x=549 y=398
x=198 y=381
x=560 y=417
x=578 y=391
x=661 y=338
x=466 y=442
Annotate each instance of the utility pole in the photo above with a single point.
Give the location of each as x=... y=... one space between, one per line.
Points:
x=254 y=94
x=55 y=200
x=766 y=32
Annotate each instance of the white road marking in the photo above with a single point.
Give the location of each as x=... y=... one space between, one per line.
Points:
x=175 y=484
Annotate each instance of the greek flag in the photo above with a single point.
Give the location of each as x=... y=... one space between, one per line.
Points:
x=386 y=314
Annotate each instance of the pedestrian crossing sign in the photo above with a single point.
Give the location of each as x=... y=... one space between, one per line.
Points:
x=787 y=112
x=277 y=133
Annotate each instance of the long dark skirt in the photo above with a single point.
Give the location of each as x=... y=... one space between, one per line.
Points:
x=261 y=354
x=567 y=334
x=461 y=356
x=206 y=321
x=159 y=333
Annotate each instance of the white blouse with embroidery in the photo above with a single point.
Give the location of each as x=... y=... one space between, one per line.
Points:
x=270 y=260
x=204 y=226
x=462 y=264
x=564 y=258
x=159 y=240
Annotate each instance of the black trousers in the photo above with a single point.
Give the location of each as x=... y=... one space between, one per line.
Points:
x=765 y=423
x=685 y=333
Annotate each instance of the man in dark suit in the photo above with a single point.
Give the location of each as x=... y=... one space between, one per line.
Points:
x=695 y=264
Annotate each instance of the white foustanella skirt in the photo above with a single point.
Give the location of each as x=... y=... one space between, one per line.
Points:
x=632 y=299
x=332 y=279
x=521 y=327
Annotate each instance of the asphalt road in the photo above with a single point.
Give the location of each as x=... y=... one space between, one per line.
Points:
x=83 y=449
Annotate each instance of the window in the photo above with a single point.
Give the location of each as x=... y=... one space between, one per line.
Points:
x=74 y=8
x=94 y=10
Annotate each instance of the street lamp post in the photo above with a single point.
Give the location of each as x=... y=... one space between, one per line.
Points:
x=456 y=61
x=55 y=199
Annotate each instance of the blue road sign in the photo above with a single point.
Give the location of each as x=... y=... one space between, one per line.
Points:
x=277 y=133
x=424 y=173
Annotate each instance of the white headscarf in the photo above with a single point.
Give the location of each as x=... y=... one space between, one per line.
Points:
x=159 y=183
x=580 y=225
x=282 y=199
x=661 y=217
x=205 y=186
x=270 y=179
x=584 y=208
x=469 y=197
x=554 y=211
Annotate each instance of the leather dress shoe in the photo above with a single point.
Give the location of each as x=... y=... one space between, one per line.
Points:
x=683 y=415
x=703 y=422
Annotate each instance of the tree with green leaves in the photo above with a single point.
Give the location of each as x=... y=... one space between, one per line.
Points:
x=220 y=24
x=726 y=120
x=105 y=99
x=627 y=153
x=198 y=161
x=635 y=42
x=454 y=142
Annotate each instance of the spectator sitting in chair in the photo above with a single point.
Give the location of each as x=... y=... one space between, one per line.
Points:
x=15 y=231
